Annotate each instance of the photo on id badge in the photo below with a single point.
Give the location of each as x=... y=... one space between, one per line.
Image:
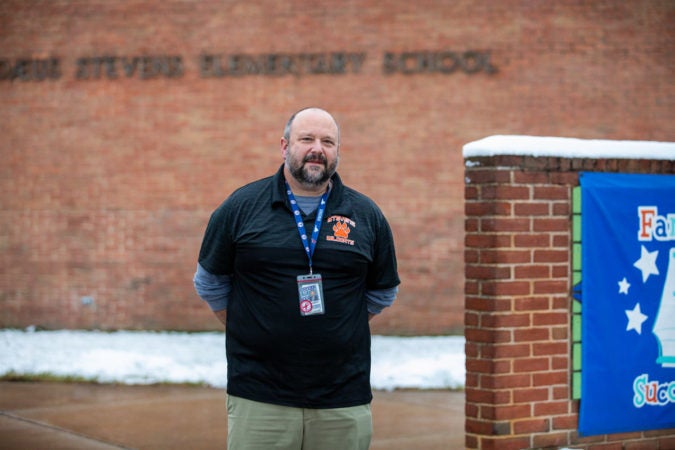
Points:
x=310 y=294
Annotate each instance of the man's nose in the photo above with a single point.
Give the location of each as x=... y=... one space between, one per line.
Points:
x=316 y=146
x=316 y=153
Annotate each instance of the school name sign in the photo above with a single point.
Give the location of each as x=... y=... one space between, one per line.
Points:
x=149 y=67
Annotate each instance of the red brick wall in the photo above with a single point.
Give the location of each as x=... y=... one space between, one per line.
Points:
x=107 y=183
x=518 y=303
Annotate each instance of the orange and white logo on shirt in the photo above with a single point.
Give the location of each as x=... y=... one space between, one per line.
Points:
x=342 y=226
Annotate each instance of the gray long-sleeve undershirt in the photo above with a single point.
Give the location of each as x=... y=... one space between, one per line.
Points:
x=215 y=290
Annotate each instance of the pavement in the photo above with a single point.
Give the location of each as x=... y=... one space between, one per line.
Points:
x=105 y=417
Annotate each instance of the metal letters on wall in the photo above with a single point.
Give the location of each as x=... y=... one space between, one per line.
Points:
x=238 y=65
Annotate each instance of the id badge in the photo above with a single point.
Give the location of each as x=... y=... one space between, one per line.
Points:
x=310 y=294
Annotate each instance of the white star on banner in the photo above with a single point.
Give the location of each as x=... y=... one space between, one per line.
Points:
x=635 y=319
x=623 y=286
x=647 y=263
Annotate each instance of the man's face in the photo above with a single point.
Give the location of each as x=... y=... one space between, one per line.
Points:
x=311 y=152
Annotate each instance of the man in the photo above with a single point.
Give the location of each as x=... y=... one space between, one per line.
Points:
x=295 y=265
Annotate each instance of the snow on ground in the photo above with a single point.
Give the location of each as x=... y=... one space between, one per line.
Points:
x=141 y=357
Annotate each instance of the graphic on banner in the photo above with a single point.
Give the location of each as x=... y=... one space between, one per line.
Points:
x=628 y=303
x=664 y=326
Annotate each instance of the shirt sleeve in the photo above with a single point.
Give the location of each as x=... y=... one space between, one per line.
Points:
x=379 y=299
x=382 y=272
x=213 y=289
x=216 y=255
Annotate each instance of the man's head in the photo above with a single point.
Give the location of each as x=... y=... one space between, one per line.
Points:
x=310 y=147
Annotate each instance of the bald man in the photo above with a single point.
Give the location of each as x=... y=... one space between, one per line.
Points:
x=295 y=266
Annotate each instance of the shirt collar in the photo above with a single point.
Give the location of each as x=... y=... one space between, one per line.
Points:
x=336 y=200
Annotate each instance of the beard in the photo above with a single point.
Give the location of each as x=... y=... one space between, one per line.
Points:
x=312 y=175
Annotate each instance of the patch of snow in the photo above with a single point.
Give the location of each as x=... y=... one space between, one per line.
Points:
x=568 y=148
x=140 y=357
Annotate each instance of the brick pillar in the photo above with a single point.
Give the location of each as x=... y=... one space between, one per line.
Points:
x=517 y=305
x=518 y=301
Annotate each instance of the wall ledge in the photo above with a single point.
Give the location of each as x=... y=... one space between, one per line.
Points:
x=560 y=147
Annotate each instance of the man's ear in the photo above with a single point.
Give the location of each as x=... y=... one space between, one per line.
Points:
x=284 y=148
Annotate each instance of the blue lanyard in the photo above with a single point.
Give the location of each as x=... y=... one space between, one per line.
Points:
x=308 y=245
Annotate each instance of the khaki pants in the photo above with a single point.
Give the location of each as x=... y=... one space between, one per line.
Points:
x=262 y=426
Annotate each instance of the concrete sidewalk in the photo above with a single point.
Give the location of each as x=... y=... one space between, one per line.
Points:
x=87 y=416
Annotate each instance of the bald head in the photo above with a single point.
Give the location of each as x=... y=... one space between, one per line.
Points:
x=312 y=110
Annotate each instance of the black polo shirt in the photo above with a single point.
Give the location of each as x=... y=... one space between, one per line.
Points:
x=275 y=354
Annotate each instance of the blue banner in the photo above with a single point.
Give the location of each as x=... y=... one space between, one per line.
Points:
x=628 y=303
